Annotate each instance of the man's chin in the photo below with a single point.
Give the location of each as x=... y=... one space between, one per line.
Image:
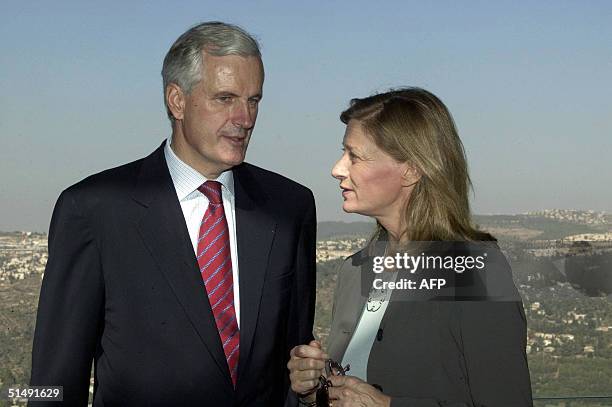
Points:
x=233 y=161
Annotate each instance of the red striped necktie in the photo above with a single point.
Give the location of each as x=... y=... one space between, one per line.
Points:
x=215 y=261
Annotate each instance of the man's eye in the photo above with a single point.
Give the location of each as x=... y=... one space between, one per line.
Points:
x=253 y=102
x=224 y=99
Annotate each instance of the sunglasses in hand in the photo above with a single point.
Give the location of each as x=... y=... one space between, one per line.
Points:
x=332 y=368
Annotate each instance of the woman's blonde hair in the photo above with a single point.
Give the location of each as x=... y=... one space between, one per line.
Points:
x=413 y=126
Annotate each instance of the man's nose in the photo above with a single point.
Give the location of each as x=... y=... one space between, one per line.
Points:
x=244 y=115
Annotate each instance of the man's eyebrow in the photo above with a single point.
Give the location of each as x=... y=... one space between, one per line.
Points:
x=232 y=94
x=224 y=93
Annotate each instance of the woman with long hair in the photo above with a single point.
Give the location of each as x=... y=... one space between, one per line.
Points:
x=404 y=165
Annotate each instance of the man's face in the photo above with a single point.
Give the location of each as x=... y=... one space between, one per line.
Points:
x=215 y=121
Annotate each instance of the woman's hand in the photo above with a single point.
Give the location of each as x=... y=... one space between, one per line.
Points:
x=349 y=391
x=305 y=366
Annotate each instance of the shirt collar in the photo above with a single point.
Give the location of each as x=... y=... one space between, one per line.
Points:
x=186 y=179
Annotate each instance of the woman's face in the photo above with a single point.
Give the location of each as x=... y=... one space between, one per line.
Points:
x=372 y=182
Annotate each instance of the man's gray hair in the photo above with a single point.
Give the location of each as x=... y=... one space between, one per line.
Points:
x=183 y=62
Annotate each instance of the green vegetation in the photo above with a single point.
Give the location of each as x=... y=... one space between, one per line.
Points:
x=569 y=376
x=17 y=320
x=551 y=229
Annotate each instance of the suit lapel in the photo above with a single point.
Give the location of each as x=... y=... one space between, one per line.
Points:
x=255 y=229
x=163 y=230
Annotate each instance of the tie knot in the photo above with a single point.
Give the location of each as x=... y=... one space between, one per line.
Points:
x=212 y=191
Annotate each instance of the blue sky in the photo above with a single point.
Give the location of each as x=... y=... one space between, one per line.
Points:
x=528 y=83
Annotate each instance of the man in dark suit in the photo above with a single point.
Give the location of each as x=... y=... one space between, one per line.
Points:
x=188 y=275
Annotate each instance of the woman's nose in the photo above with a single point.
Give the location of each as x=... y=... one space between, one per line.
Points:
x=340 y=170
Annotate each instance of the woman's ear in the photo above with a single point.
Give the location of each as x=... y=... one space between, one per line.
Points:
x=411 y=176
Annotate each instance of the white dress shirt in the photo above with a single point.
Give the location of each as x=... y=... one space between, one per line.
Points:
x=186 y=181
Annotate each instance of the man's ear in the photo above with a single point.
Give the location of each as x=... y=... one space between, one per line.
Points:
x=411 y=176
x=175 y=99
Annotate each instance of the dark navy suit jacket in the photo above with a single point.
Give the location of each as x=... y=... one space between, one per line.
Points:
x=122 y=288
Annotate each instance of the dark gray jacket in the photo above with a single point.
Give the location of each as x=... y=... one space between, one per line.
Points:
x=437 y=353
